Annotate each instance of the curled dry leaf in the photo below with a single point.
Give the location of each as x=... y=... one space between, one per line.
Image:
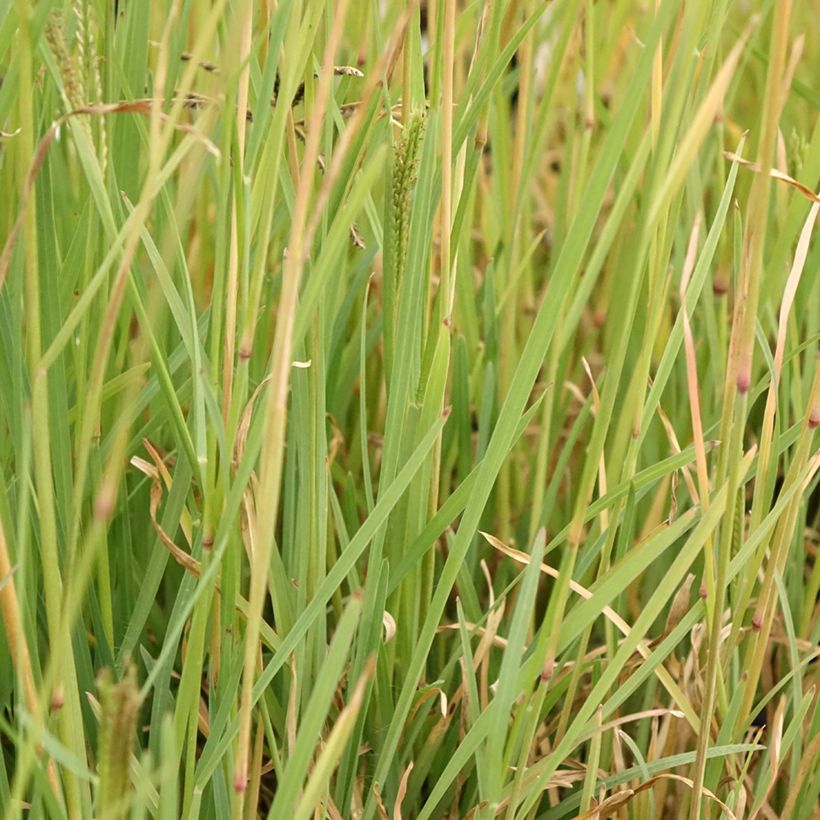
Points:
x=185 y=560
x=680 y=604
x=776 y=738
x=775 y=174
x=245 y=422
x=401 y=792
x=389 y=623
x=380 y=807
x=158 y=473
x=430 y=692
x=496 y=640
x=619 y=800
x=646 y=713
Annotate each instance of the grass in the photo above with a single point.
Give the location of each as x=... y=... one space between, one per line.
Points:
x=409 y=410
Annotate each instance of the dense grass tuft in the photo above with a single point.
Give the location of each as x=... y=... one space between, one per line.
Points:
x=409 y=410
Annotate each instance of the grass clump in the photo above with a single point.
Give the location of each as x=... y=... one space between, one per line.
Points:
x=409 y=410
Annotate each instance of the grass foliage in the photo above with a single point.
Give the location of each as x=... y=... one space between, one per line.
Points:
x=408 y=410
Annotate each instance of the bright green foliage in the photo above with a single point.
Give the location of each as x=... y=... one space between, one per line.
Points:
x=365 y=455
